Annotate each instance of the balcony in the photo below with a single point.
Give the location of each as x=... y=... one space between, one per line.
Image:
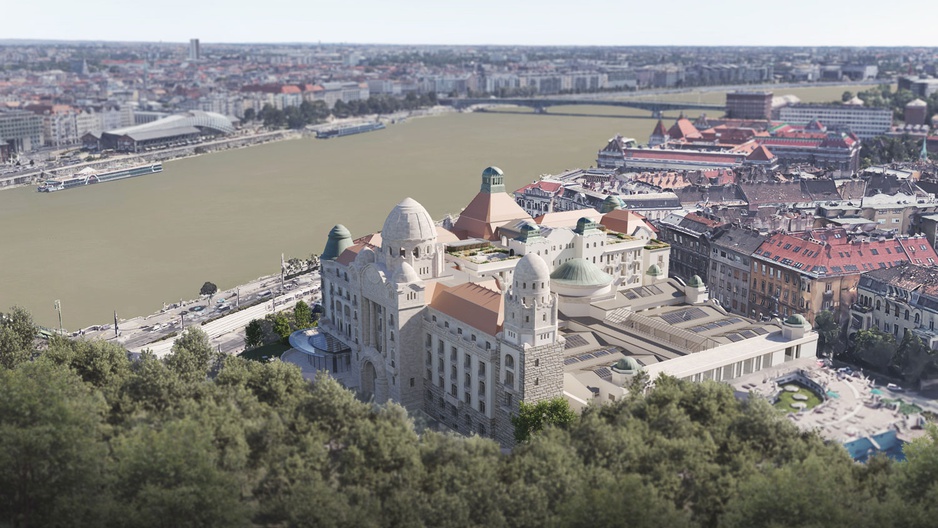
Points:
x=860 y=308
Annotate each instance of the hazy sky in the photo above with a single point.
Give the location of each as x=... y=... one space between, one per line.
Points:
x=525 y=22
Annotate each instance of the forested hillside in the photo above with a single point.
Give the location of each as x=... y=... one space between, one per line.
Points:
x=89 y=438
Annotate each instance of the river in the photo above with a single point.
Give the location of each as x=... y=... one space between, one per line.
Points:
x=226 y=217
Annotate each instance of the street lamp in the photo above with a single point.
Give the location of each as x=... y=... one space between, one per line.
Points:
x=58 y=308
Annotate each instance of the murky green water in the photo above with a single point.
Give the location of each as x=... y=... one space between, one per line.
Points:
x=227 y=217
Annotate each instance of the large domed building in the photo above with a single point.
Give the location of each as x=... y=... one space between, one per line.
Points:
x=462 y=325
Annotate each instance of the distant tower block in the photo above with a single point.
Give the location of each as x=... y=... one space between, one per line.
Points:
x=916 y=112
x=194 y=52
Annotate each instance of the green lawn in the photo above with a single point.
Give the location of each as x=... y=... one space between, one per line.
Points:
x=273 y=350
x=785 y=399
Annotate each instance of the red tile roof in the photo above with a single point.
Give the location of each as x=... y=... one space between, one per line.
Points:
x=683 y=128
x=830 y=252
x=550 y=187
x=761 y=154
x=659 y=129
x=475 y=305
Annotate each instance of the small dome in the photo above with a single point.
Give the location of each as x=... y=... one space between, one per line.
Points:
x=626 y=365
x=796 y=320
x=532 y=268
x=492 y=171
x=696 y=282
x=654 y=270
x=408 y=221
x=580 y=272
x=611 y=203
x=584 y=224
x=339 y=240
x=405 y=274
x=528 y=231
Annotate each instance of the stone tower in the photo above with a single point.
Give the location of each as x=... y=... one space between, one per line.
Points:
x=530 y=366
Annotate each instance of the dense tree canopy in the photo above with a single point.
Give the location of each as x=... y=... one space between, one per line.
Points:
x=89 y=437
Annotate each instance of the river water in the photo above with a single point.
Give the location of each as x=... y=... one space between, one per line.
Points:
x=226 y=217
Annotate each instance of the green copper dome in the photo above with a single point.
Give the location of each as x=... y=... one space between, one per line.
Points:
x=528 y=232
x=611 y=203
x=339 y=240
x=796 y=320
x=585 y=224
x=696 y=282
x=654 y=270
x=627 y=364
x=580 y=272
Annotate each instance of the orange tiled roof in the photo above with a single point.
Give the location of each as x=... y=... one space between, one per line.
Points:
x=473 y=304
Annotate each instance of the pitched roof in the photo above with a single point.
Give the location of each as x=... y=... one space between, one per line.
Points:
x=566 y=218
x=659 y=129
x=761 y=153
x=683 y=128
x=486 y=213
x=622 y=221
x=830 y=252
x=471 y=303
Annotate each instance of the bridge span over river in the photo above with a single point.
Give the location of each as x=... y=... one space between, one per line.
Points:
x=540 y=105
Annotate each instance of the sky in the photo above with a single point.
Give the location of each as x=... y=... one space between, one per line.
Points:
x=499 y=22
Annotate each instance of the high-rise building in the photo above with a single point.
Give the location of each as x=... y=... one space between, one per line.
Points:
x=749 y=105
x=864 y=122
x=194 y=52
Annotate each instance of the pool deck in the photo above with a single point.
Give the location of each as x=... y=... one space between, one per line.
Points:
x=848 y=417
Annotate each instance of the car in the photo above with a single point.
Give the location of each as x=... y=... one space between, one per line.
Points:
x=893 y=387
x=224 y=307
x=265 y=293
x=157 y=326
x=220 y=301
x=196 y=308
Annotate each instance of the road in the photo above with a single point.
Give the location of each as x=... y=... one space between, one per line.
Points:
x=224 y=331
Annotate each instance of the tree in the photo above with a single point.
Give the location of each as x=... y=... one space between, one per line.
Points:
x=532 y=418
x=302 y=315
x=254 y=334
x=846 y=96
x=51 y=447
x=281 y=325
x=875 y=348
x=249 y=114
x=192 y=355
x=17 y=332
x=827 y=328
x=209 y=289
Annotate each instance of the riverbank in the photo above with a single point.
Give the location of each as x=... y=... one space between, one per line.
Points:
x=245 y=138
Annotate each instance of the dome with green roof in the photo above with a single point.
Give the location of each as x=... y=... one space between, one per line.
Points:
x=611 y=203
x=654 y=270
x=339 y=240
x=696 y=282
x=528 y=231
x=627 y=365
x=796 y=320
x=580 y=272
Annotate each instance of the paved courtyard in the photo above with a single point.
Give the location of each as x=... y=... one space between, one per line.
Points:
x=853 y=408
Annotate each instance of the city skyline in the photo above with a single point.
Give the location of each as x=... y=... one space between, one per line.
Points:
x=489 y=22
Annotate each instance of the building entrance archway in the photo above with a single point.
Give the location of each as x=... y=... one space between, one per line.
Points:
x=369 y=378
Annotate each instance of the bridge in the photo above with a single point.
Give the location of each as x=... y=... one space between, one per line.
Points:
x=541 y=105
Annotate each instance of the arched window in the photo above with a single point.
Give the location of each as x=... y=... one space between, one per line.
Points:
x=878 y=305
x=509 y=361
x=918 y=318
x=416 y=252
x=906 y=314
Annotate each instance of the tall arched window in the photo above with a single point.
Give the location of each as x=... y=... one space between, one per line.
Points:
x=509 y=362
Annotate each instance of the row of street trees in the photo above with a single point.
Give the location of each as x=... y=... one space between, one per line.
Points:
x=314 y=112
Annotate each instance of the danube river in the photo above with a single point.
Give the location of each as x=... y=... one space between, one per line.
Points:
x=226 y=217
